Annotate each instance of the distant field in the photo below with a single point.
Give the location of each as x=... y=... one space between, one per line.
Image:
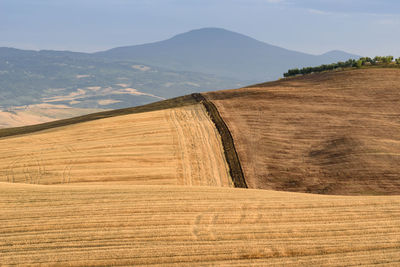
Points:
x=36 y=114
x=327 y=133
x=133 y=225
x=176 y=146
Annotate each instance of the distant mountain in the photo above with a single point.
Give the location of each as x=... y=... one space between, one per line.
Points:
x=337 y=55
x=196 y=61
x=223 y=53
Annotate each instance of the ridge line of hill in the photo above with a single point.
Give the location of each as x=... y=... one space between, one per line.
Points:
x=232 y=158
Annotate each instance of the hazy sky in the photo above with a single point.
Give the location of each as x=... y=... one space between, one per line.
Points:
x=365 y=27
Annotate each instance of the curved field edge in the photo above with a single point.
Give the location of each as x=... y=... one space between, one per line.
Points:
x=186 y=226
x=231 y=155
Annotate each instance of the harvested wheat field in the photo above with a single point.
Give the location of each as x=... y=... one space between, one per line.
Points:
x=175 y=146
x=327 y=133
x=166 y=225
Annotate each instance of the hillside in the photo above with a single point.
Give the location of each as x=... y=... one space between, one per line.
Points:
x=224 y=53
x=327 y=133
x=186 y=226
x=173 y=143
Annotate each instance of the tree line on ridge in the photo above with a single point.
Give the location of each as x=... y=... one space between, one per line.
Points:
x=351 y=63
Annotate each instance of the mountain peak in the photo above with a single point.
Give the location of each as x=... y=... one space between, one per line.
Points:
x=209 y=30
x=339 y=54
x=222 y=53
x=211 y=34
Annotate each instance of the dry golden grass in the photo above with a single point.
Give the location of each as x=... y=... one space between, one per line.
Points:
x=329 y=133
x=167 y=225
x=178 y=146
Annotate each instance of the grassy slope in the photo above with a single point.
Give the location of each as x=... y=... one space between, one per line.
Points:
x=132 y=225
x=175 y=146
x=331 y=133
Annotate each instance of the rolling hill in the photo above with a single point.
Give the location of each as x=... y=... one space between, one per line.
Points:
x=155 y=184
x=172 y=144
x=327 y=133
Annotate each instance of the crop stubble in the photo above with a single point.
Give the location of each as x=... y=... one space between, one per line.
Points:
x=166 y=225
x=177 y=146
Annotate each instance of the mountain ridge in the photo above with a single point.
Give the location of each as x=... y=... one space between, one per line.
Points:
x=223 y=53
x=211 y=51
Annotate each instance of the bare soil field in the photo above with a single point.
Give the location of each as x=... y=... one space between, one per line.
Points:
x=176 y=146
x=172 y=225
x=327 y=133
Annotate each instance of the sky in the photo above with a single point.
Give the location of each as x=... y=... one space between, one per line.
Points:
x=363 y=27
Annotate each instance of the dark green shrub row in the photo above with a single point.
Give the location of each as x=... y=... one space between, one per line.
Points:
x=232 y=158
x=364 y=61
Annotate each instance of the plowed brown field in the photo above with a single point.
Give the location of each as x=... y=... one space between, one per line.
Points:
x=186 y=226
x=177 y=146
x=330 y=133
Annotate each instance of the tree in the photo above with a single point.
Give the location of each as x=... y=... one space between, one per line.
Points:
x=366 y=60
x=363 y=61
x=388 y=59
x=377 y=60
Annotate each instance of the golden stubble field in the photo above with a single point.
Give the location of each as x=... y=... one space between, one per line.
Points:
x=177 y=146
x=88 y=225
x=327 y=133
